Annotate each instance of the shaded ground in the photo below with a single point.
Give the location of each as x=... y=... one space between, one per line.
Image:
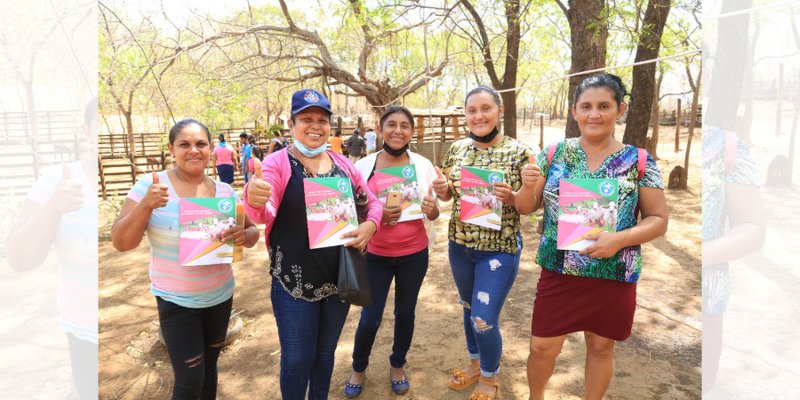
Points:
x=661 y=360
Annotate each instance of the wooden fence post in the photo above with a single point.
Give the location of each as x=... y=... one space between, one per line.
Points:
x=779 y=110
x=541 y=132
x=132 y=160
x=420 y=129
x=102 y=176
x=35 y=152
x=49 y=127
x=678 y=128
x=443 y=123
x=454 y=124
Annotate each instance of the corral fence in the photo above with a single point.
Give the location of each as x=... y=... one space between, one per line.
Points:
x=33 y=141
x=119 y=167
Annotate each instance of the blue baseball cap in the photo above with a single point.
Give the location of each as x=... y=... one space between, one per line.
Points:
x=306 y=98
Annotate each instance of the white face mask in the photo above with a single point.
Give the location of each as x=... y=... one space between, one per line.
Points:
x=307 y=151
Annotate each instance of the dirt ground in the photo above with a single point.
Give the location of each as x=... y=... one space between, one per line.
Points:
x=661 y=359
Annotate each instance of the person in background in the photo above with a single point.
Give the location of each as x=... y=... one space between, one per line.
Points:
x=277 y=143
x=336 y=141
x=370 y=138
x=257 y=153
x=246 y=146
x=355 y=146
x=222 y=157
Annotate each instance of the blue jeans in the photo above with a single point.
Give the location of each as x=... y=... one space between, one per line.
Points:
x=407 y=273
x=483 y=279
x=308 y=332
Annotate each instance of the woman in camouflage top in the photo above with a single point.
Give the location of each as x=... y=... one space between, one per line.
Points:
x=484 y=261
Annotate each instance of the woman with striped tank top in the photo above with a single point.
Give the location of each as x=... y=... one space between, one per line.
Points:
x=194 y=302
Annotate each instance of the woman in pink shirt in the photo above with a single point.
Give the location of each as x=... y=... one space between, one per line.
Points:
x=399 y=252
x=223 y=159
x=308 y=311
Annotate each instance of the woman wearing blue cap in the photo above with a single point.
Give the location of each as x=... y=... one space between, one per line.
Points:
x=309 y=313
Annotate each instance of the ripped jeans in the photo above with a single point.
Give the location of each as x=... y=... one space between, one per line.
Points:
x=483 y=279
x=194 y=338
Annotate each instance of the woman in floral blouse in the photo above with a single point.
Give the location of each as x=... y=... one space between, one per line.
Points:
x=592 y=290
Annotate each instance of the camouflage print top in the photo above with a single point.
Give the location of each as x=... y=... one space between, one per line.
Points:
x=508 y=156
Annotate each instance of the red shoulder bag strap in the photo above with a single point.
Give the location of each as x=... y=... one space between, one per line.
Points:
x=551 y=151
x=641 y=164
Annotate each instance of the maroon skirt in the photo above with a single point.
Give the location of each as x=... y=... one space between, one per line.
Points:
x=566 y=304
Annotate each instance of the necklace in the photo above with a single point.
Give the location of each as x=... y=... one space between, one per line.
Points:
x=600 y=154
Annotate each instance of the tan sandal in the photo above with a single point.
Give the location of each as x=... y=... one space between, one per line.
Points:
x=460 y=381
x=478 y=395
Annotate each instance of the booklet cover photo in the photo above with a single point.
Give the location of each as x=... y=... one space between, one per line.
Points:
x=402 y=180
x=479 y=206
x=202 y=222
x=585 y=207
x=330 y=211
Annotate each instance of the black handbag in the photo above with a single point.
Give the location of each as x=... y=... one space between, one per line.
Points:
x=353 y=284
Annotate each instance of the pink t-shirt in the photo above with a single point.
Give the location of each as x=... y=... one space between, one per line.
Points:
x=398 y=240
x=224 y=154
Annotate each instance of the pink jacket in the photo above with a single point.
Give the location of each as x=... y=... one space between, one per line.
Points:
x=277 y=171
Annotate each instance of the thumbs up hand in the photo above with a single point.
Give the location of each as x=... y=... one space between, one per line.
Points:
x=429 y=206
x=440 y=185
x=68 y=194
x=531 y=173
x=156 y=196
x=258 y=190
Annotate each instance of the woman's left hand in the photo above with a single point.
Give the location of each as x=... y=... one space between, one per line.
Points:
x=362 y=235
x=237 y=234
x=429 y=206
x=607 y=244
x=504 y=193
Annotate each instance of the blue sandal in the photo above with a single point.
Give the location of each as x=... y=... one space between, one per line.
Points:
x=352 y=390
x=401 y=386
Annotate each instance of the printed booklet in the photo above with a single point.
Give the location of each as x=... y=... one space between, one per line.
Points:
x=585 y=207
x=202 y=221
x=403 y=180
x=330 y=211
x=479 y=206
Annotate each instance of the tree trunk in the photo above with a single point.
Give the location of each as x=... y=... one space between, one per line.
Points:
x=30 y=104
x=745 y=123
x=692 y=119
x=652 y=147
x=655 y=18
x=510 y=115
x=588 y=34
x=652 y=144
x=513 y=36
x=724 y=88
x=129 y=131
